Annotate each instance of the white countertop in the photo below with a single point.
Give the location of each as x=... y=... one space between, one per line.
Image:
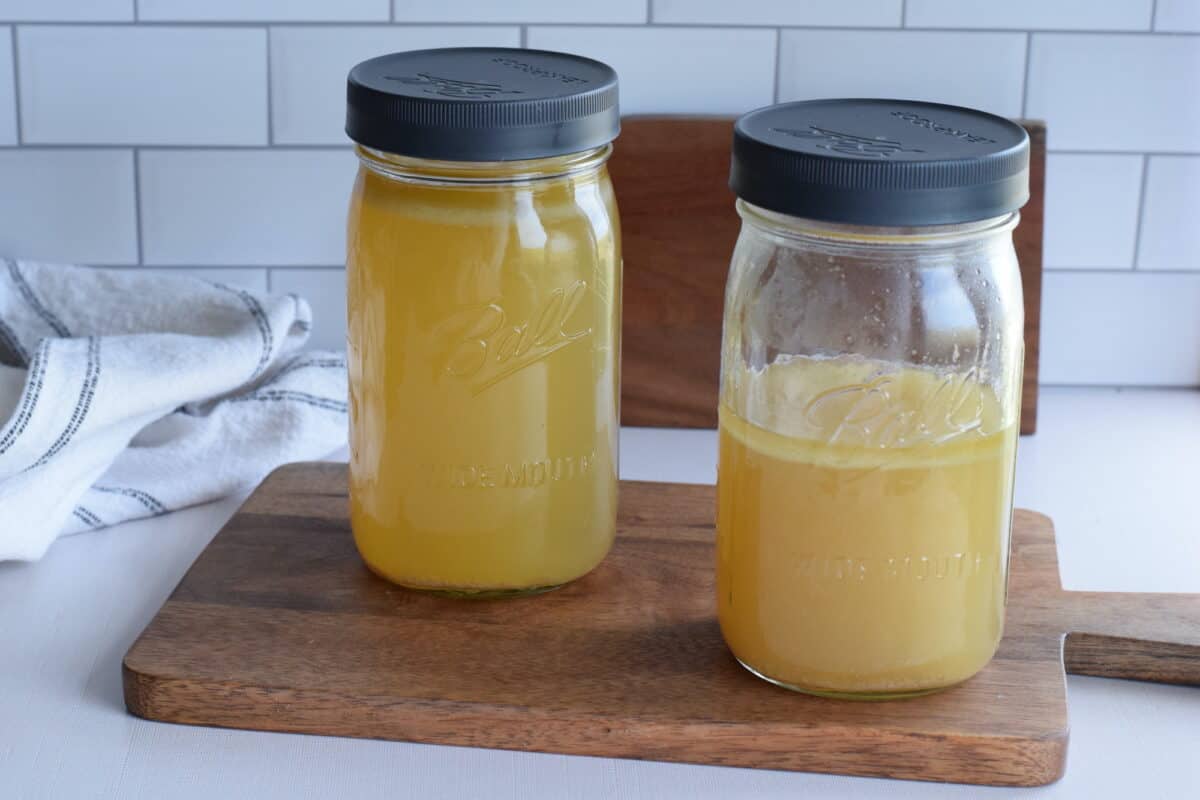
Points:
x=1118 y=470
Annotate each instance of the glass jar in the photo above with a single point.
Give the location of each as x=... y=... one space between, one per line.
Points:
x=484 y=278
x=870 y=394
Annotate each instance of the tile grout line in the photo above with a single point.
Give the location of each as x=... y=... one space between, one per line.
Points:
x=778 y=64
x=270 y=106
x=237 y=265
x=391 y=18
x=1067 y=151
x=16 y=68
x=137 y=203
x=219 y=24
x=1153 y=15
x=190 y=264
x=137 y=10
x=1118 y=271
x=1141 y=215
x=1082 y=271
x=903 y=13
x=1156 y=387
x=650 y=12
x=333 y=146
x=1025 y=80
x=249 y=148
x=524 y=40
x=187 y=267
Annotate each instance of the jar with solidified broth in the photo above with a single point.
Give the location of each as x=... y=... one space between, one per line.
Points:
x=870 y=394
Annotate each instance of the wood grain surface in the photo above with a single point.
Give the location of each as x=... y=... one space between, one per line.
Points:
x=678 y=228
x=1027 y=239
x=279 y=627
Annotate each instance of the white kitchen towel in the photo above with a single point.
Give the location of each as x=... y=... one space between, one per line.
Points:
x=126 y=395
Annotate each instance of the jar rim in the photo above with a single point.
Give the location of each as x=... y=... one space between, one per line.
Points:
x=414 y=169
x=829 y=233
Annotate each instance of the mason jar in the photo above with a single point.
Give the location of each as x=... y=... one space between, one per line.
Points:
x=484 y=280
x=870 y=394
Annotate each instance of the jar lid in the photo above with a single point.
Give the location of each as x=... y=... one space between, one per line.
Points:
x=880 y=162
x=482 y=104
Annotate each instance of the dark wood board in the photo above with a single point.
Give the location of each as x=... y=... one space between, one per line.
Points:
x=279 y=627
x=678 y=227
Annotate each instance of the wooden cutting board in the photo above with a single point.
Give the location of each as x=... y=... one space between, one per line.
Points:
x=279 y=627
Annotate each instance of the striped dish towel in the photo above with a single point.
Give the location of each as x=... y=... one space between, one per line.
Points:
x=127 y=395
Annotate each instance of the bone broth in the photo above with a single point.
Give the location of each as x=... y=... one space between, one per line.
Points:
x=850 y=564
x=484 y=307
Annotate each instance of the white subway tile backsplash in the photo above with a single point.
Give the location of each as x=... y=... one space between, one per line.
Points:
x=1116 y=92
x=1177 y=15
x=68 y=206
x=544 y=11
x=1120 y=328
x=325 y=291
x=66 y=10
x=268 y=10
x=677 y=70
x=1117 y=15
x=1098 y=328
x=981 y=70
x=230 y=114
x=309 y=66
x=253 y=279
x=155 y=85
x=842 y=13
x=1091 y=210
x=8 y=90
x=245 y=208
x=1171 y=216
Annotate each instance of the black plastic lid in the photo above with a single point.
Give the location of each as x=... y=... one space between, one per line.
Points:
x=880 y=162
x=482 y=104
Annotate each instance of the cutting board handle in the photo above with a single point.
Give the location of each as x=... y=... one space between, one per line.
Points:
x=1145 y=637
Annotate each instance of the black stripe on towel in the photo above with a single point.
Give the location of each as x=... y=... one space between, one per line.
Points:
x=27 y=292
x=37 y=376
x=12 y=354
x=288 y=395
x=260 y=319
x=88 y=517
x=298 y=363
x=152 y=505
x=304 y=362
x=84 y=404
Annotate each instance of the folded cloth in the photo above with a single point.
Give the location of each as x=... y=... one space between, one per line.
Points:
x=126 y=395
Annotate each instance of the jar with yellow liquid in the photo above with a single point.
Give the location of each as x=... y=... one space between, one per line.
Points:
x=870 y=394
x=484 y=277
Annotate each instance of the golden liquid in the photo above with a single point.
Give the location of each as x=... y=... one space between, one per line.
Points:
x=483 y=353
x=863 y=550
